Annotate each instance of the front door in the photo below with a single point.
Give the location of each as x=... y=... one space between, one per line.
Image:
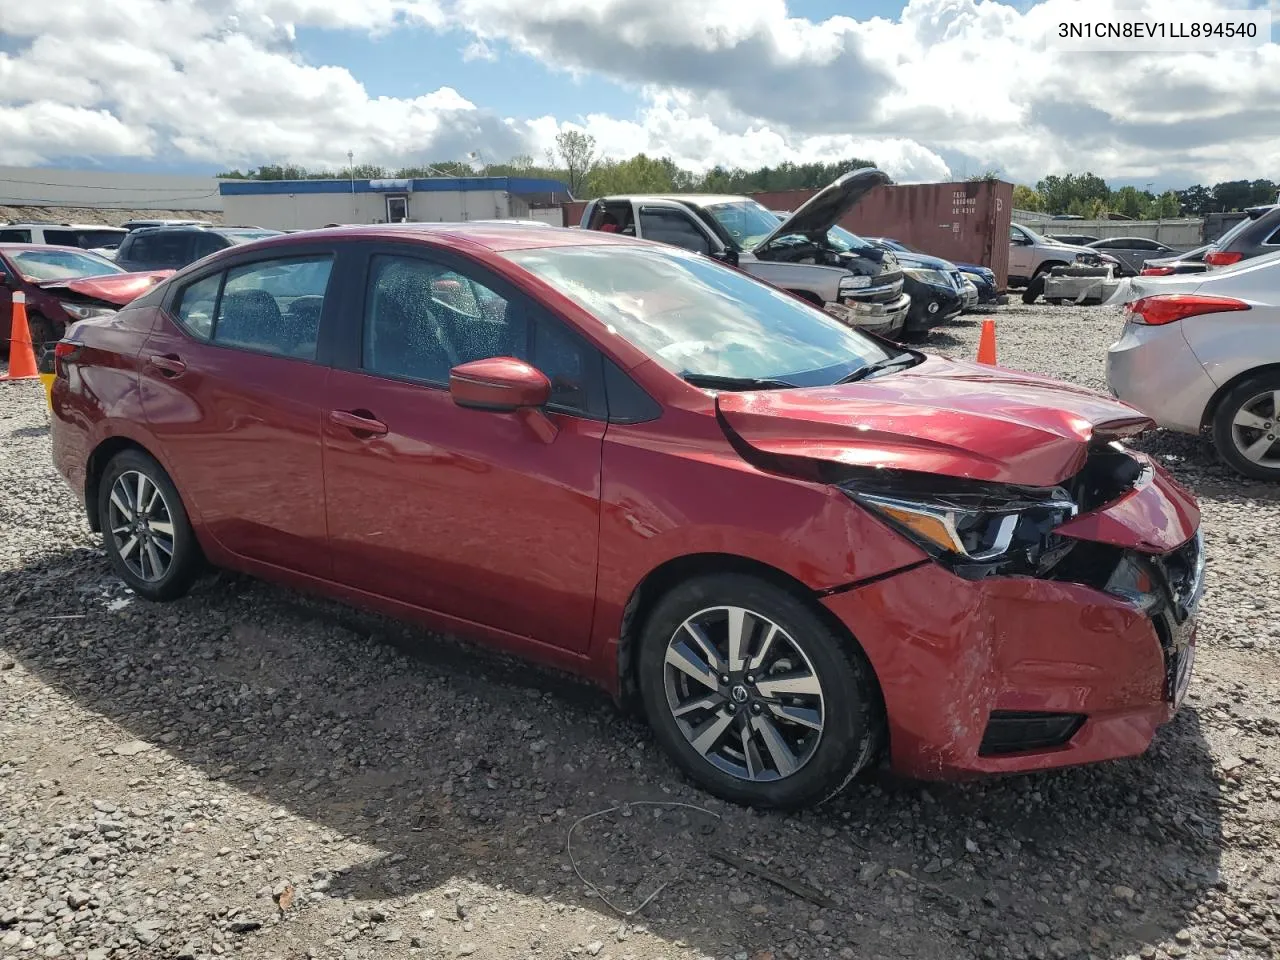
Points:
x=234 y=390
x=1020 y=253
x=464 y=512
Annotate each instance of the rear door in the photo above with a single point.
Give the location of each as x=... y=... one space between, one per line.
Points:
x=467 y=513
x=233 y=385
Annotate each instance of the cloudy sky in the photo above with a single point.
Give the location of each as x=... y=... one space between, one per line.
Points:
x=927 y=89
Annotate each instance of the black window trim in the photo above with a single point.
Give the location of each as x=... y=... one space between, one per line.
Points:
x=330 y=312
x=350 y=354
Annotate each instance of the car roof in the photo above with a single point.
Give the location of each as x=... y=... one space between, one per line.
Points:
x=20 y=247
x=46 y=225
x=697 y=199
x=494 y=237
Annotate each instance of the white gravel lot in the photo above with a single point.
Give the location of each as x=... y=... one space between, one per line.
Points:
x=252 y=772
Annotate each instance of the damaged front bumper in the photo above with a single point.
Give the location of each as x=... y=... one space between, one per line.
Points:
x=1016 y=673
x=887 y=319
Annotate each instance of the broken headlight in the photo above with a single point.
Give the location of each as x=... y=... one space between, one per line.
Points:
x=977 y=529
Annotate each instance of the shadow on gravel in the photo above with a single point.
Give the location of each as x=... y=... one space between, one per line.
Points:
x=1195 y=463
x=459 y=765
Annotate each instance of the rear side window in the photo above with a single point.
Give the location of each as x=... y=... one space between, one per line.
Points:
x=196 y=305
x=15 y=236
x=162 y=250
x=273 y=306
x=87 y=239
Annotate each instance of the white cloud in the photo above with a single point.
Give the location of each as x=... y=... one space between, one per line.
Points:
x=730 y=82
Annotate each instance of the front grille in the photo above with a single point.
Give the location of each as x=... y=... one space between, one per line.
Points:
x=957 y=281
x=1017 y=731
x=887 y=293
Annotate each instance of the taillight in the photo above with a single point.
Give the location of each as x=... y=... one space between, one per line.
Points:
x=64 y=353
x=1157 y=271
x=1170 y=307
x=1223 y=258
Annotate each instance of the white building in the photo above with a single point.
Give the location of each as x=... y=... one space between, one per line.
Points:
x=95 y=189
x=307 y=204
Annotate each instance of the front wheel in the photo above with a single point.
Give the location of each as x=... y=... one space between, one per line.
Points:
x=1246 y=428
x=145 y=528
x=756 y=698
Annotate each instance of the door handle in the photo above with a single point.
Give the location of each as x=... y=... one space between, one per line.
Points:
x=168 y=365
x=358 y=422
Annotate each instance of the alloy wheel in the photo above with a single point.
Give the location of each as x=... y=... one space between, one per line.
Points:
x=1255 y=429
x=141 y=526
x=744 y=694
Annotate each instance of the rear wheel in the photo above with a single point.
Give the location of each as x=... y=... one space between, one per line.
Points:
x=145 y=528
x=753 y=695
x=1246 y=428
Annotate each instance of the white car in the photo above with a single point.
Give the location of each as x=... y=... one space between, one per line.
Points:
x=1201 y=352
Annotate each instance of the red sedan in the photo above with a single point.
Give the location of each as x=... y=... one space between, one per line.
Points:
x=796 y=547
x=63 y=286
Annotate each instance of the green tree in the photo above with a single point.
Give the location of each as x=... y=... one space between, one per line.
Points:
x=640 y=174
x=1130 y=202
x=1024 y=198
x=1233 y=195
x=1073 y=192
x=577 y=151
x=1197 y=200
x=1165 y=206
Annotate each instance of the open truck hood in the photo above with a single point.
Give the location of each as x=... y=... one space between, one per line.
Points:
x=114 y=288
x=942 y=417
x=824 y=209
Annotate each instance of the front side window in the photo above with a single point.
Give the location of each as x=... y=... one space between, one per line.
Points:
x=697 y=317
x=64 y=264
x=423 y=318
x=274 y=306
x=673 y=227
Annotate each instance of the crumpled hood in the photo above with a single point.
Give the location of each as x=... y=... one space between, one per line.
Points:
x=116 y=288
x=945 y=417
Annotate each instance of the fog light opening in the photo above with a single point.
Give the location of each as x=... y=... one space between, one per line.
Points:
x=1013 y=731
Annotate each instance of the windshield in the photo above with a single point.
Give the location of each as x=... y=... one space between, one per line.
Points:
x=698 y=318
x=746 y=221
x=843 y=241
x=897 y=245
x=61 y=264
x=245 y=236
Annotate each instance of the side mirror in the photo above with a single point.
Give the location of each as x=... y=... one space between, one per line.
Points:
x=501 y=384
x=726 y=256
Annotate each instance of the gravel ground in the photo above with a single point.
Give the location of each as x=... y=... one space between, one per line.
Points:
x=254 y=772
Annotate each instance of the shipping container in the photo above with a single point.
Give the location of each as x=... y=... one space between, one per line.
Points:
x=962 y=222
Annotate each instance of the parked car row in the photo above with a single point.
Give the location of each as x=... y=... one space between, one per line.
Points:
x=877 y=285
x=1201 y=353
x=761 y=527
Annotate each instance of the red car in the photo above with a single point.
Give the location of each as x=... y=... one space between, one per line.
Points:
x=798 y=548
x=63 y=285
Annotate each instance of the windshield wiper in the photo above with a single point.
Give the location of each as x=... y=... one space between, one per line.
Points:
x=863 y=372
x=712 y=382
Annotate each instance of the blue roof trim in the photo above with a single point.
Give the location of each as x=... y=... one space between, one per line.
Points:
x=518 y=185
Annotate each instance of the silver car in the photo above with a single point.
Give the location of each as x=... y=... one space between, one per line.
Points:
x=1202 y=352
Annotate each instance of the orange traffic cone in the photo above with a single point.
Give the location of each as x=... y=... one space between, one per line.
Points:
x=987 y=343
x=22 y=356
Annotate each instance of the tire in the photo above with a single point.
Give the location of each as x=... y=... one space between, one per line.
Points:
x=1258 y=397
x=138 y=566
x=823 y=760
x=1034 y=289
x=43 y=334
